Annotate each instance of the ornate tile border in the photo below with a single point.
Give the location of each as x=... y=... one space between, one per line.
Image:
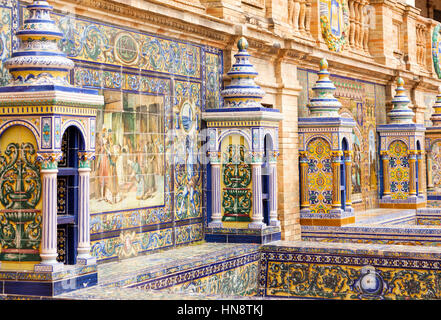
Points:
x=338 y=272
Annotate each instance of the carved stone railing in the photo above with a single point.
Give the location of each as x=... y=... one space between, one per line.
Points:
x=421 y=30
x=360 y=17
x=423 y=36
x=299 y=16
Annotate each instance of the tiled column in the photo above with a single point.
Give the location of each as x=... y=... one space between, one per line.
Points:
x=304 y=190
x=273 y=221
x=386 y=182
x=420 y=173
x=429 y=160
x=257 y=218
x=48 y=253
x=412 y=173
x=83 y=256
x=348 y=179
x=216 y=212
x=336 y=193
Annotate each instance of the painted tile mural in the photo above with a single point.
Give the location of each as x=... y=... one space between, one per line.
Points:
x=365 y=103
x=436 y=166
x=147 y=179
x=129 y=168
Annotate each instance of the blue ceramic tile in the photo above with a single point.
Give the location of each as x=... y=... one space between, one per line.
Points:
x=28 y=288
x=76 y=283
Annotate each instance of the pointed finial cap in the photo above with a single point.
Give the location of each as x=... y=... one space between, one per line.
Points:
x=242 y=44
x=324 y=103
x=324 y=64
x=400 y=113
x=39 y=61
x=242 y=92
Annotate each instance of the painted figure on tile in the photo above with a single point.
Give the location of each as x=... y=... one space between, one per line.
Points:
x=436 y=165
x=372 y=160
x=150 y=167
x=356 y=166
x=103 y=165
x=113 y=161
x=137 y=179
x=127 y=153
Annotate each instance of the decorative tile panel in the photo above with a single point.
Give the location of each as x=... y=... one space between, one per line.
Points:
x=319 y=175
x=145 y=172
x=105 y=44
x=399 y=170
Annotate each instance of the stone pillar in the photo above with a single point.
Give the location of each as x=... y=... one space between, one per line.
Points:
x=348 y=179
x=83 y=256
x=420 y=173
x=412 y=174
x=336 y=192
x=216 y=212
x=429 y=160
x=48 y=253
x=257 y=218
x=386 y=182
x=304 y=190
x=273 y=221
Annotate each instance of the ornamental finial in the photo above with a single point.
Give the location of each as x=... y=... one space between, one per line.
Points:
x=242 y=92
x=242 y=44
x=324 y=103
x=400 y=113
x=39 y=61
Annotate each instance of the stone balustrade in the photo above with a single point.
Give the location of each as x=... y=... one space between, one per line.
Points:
x=389 y=31
x=421 y=42
x=360 y=16
x=299 y=16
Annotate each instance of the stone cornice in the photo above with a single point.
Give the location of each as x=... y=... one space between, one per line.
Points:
x=53 y=97
x=412 y=11
x=206 y=29
x=199 y=26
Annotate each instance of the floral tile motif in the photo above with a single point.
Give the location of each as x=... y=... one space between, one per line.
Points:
x=339 y=271
x=319 y=175
x=399 y=170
